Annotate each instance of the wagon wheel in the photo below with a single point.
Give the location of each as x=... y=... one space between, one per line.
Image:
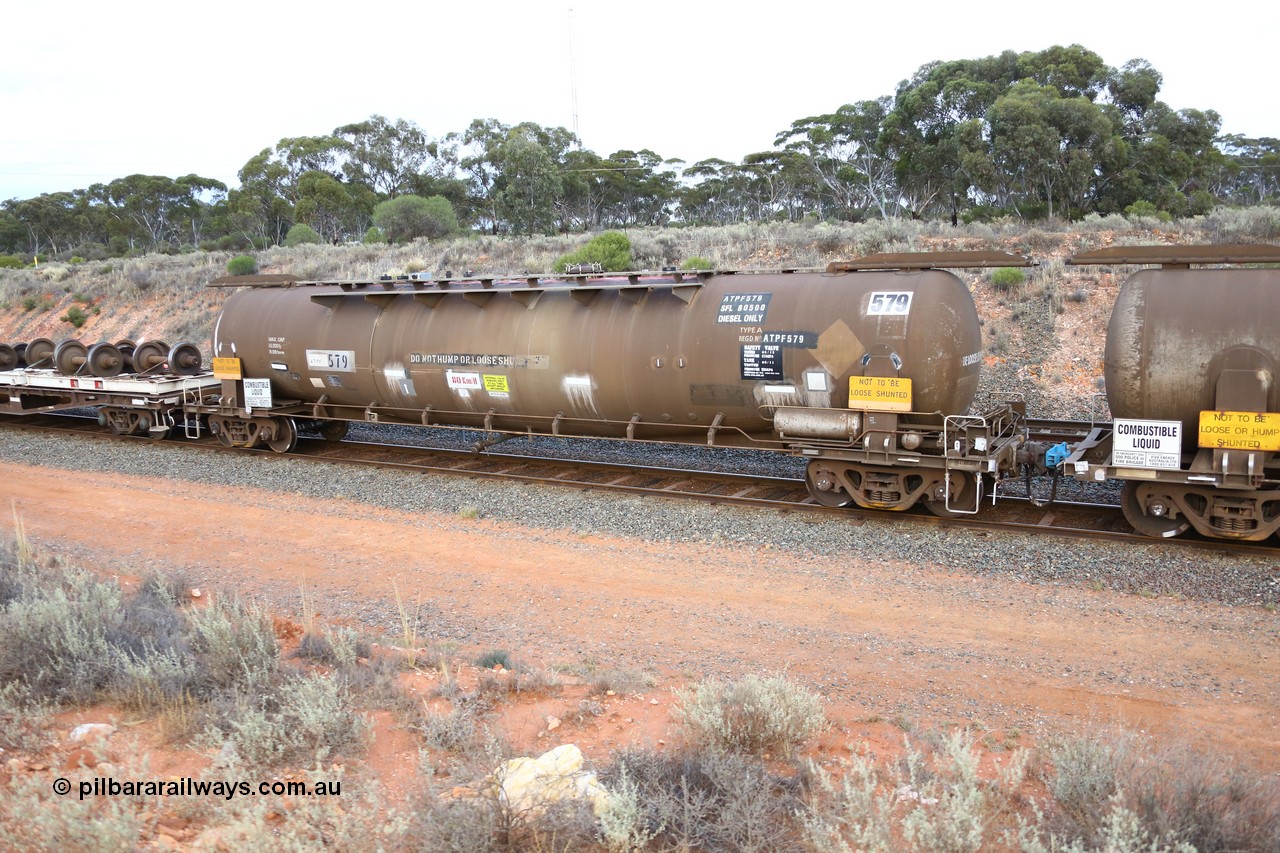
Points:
x=184 y=359
x=1136 y=512
x=219 y=428
x=824 y=486
x=9 y=357
x=149 y=354
x=286 y=435
x=126 y=348
x=69 y=356
x=962 y=487
x=39 y=353
x=105 y=361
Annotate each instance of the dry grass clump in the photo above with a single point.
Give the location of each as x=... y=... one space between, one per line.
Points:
x=751 y=715
x=72 y=638
x=697 y=800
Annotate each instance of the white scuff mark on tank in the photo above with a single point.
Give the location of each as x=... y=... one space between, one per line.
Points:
x=776 y=395
x=217 y=328
x=398 y=382
x=580 y=391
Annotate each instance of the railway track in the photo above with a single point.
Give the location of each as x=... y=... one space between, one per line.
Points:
x=787 y=494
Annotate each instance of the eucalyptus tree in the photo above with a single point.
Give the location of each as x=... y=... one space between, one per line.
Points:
x=388 y=156
x=531 y=182
x=712 y=193
x=846 y=157
x=640 y=189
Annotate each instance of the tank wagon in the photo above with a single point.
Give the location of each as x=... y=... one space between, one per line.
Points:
x=1191 y=366
x=867 y=367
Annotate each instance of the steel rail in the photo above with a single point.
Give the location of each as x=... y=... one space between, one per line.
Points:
x=1067 y=519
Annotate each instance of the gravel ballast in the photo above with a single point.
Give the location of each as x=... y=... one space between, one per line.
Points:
x=1166 y=569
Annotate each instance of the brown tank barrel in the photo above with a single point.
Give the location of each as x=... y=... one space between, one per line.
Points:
x=1179 y=339
x=723 y=347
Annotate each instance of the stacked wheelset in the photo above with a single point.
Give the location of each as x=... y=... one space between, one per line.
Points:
x=103 y=360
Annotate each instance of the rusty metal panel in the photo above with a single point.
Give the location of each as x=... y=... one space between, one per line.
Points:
x=931 y=261
x=684 y=352
x=1237 y=253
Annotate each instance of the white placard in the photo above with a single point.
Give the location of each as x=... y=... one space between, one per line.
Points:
x=336 y=360
x=889 y=304
x=464 y=380
x=1147 y=444
x=257 y=393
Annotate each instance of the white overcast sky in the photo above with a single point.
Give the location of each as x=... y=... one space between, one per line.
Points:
x=92 y=91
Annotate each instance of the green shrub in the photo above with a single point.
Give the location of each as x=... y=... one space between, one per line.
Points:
x=11 y=262
x=374 y=236
x=611 y=250
x=302 y=234
x=1143 y=209
x=1007 y=278
x=75 y=315
x=408 y=217
x=696 y=263
x=242 y=265
x=750 y=715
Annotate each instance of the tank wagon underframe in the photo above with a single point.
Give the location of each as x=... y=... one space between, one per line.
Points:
x=889 y=460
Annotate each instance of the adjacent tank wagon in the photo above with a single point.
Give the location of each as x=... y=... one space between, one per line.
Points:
x=1191 y=366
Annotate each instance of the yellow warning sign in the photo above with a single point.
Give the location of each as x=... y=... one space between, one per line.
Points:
x=1240 y=430
x=880 y=393
x=495 y=383
x=226 y=368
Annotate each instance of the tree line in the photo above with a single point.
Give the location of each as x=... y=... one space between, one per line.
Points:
x=1034 y=135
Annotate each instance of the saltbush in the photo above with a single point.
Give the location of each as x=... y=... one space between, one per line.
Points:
x=750 y=715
